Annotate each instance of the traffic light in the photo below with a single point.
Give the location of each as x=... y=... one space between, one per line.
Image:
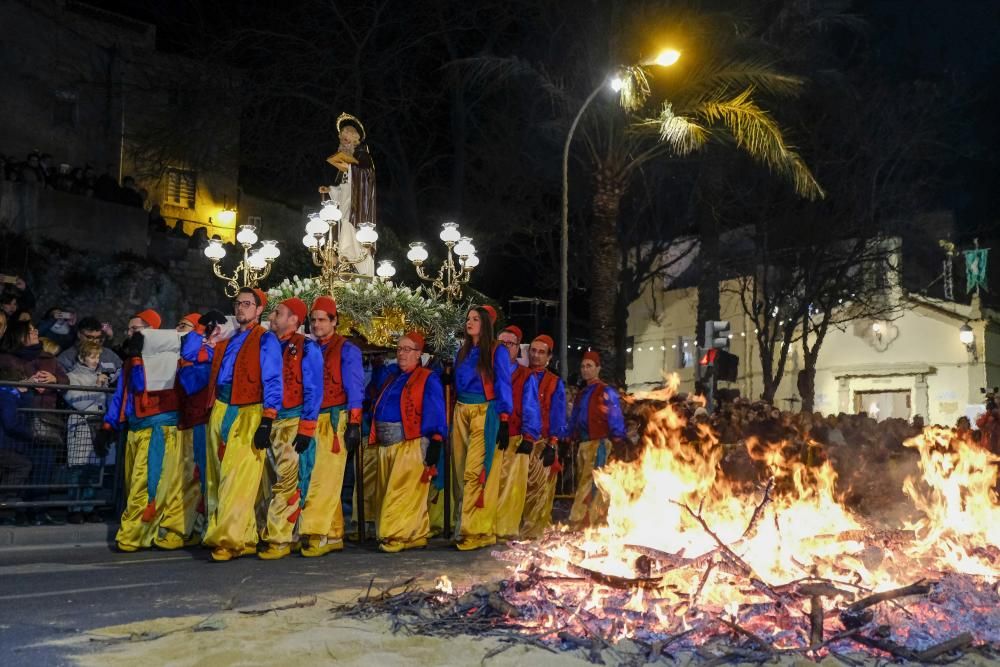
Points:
x=717 y=363
x=717 y=335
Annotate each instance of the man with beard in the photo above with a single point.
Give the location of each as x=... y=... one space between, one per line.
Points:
x=247 y=383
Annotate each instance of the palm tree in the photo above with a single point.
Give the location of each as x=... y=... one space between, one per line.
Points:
x=711 y=97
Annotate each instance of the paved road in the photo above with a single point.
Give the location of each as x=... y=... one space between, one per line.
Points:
x=53 y=592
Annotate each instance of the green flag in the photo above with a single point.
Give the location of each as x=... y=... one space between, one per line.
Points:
x=975 y=268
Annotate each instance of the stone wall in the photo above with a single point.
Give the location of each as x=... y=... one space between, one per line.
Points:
x=112 y=286
x=79 y=222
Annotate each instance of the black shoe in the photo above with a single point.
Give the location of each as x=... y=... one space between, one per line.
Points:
x=75 y=518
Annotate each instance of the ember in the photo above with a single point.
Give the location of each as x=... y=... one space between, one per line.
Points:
x=691 y=561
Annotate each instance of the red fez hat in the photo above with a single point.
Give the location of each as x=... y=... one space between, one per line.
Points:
x=516 y=330
x=150 y=317
x=545 y=339
x=195 y=320
x=416 y=338
x=593 y=356
x=326 y=304
x=298 y=308
x=261 y=296
x=491 y=311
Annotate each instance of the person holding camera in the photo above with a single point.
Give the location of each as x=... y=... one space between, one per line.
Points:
x=93 y=330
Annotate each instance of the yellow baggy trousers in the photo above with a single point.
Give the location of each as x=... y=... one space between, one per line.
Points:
x=233 y=480
x=169 y=508
x=283 y=508
x=539 y=496
x=513 y=487
x=401 y=520
x=476 y=526
x=323 y=514
x=589 y=505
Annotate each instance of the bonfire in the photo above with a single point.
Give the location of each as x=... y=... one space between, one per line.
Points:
x=691 y=561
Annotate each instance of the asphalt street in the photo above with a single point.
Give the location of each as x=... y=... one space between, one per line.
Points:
x=52 y=592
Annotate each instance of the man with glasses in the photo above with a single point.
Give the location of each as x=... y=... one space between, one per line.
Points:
x=153 y=510
x=408 y=428
x=543 y=465
x=338 y=433
x=524 y=429
x=89 y=328
x=292 y=435
x=246 y=379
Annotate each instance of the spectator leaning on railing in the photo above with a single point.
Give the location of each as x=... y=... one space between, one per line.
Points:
x=84 y=466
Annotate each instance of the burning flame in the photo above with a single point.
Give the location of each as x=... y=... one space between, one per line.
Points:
x=678 y=530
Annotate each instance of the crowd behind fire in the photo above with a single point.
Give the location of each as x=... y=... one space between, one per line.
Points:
x=57 y=347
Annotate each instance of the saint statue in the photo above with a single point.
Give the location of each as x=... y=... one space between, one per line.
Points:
x=353 y=189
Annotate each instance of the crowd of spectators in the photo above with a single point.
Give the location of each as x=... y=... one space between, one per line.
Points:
x=39 y=444
x=38 y=168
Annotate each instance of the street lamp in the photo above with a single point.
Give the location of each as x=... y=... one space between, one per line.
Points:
x=968 y=338
x=617 y=82
x=321 y=240
x=450 y=278
x=255 y=265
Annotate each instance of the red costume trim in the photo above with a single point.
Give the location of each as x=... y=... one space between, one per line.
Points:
x=247 y=387
x=411 y=404
x=597 y=413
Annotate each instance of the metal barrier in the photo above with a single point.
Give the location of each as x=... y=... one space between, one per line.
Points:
x=56 y=466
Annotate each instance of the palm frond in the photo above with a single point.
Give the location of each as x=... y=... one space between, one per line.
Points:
x=742 y=74
x=635 y=88
x=757 y=133
x=682 y=134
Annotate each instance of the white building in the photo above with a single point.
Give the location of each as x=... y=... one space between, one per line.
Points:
x=913 y=365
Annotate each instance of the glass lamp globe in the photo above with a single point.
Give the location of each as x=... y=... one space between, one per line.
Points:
x=310 y=241
x=214 y=250
x=256 y=261
x=385 y=269
x=366 y=233
x=464 y=247
x=417 y=253
x=317 y=226
x=470 y=262
x=450 y=233
x=330 y=212
x=247 y=235
x=270 y=251
x=966 y=335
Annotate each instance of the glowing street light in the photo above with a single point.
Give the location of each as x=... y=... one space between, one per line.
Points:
x=618 y=83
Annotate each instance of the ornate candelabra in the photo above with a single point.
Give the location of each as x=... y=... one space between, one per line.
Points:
x=450 y=277
x=321 y=239
x=254 y=266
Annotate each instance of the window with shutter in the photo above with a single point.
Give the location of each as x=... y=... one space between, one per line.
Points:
x=180 y=187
